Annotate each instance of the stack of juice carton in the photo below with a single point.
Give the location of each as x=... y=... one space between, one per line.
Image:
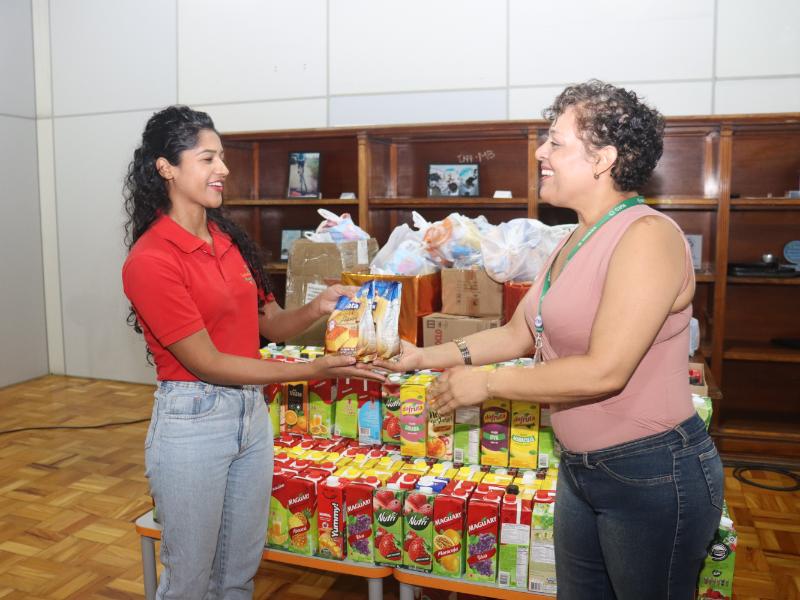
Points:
x=716 y=577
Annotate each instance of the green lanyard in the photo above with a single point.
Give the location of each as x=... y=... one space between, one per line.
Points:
x=624 y=205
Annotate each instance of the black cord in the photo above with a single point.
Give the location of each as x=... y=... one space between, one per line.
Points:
x=743 y=467
x=100 y=426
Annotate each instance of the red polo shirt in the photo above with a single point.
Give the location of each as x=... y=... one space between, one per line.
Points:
x=179 y=285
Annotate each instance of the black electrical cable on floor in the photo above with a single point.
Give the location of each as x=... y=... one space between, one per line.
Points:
x=743 y=467
x=99 y=426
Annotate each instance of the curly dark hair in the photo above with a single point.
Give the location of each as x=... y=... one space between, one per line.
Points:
x=167 y=134
x=607 y=115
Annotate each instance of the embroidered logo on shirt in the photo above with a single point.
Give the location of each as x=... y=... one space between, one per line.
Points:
x=248 y=277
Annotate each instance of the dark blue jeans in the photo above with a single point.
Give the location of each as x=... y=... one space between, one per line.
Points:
x=635 y=520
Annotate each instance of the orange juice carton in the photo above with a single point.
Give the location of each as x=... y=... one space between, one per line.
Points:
x=387 y=510
x=278 y=527
x=413 y=415
x=346 y=406
x=332 y=540
x=495 y=421
x=467 y=435
x=358 y=508
x=301 y=505
x=523 y=446
x=321 y=398
x=404 y=481
x=418 y=528
x=273 y=396
x=296 y=416
x=449 y=520
x=390 y=407
x=369 y=415
x=515 y=539
x=542 y=566
x=440 y=436
x=348 y=472
x=483 y=514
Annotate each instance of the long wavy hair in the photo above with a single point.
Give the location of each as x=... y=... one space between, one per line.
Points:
x=167 y=134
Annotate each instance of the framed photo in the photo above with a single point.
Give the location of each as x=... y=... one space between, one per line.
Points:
x=696 y=246
x=303 y=175
x=288 y=237
x=453 y=180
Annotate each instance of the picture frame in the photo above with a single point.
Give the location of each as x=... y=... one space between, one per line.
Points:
x=304 y=173
x=695 y=241
x=288 y=237
x=459 y=180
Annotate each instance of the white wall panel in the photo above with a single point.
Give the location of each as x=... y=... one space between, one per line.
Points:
x=624 y=40
x=528 y=103
x=416 y=45
x=244 y=50
x=758 y=38
x=757 y=96
x=676 y=98
x=23 y=352
x=16 y=59
x=257 y=116
x=92 y=154
x=112 y=56
x=431 y=107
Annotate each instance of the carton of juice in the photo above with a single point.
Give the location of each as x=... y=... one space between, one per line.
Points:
x=495 y=421
x=348 y=472
x=387 y=508
x=439 y=444
x=404 y=481
x=471 y=473
x=278 y=527
x=346 y=406
x=273 y=396
x=716 y=576
x=467 y=435
x=296 y=406
x=358 y=507
x=321 y=398
x=542 y=568
x=301 y=505
x=449 y=518
x=390 y=407
x=369 y=416
x=418 y=528
x=549 y=452
x=413 y=415
x=332 y=541
x=482 y=537
x=515 y=539
x=523 y=446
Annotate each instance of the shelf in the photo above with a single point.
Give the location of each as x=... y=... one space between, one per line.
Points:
x=765 y=202
x=291 y=202
x=276 y=267
x=439 y=202
x=463 y=586
x=687 y=202
x=705 y=276
x=765 y=280
x=759 y=352
x=745 y=427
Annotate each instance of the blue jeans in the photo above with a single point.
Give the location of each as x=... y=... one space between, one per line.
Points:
x=208 y=458
x=635 y=520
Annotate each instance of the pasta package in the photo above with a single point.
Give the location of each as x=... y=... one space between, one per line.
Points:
x=386 y=314
x=351 y=330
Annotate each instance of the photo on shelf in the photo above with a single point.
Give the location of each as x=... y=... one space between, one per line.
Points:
x=453 y=180
x=288 y=237
x=303 y=175
x=696 y=246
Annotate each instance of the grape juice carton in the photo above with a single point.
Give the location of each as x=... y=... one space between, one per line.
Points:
x=495 y=422
x=413 y=415
x=523 y=446
x=321 y=398
x=346 y=406
x=516 y=512
x=331 y=520
x=358 y=508
x=418 y=528
x=483 y=514
x=467 y=435
x=278 y=526
x=716 y=576
x=390 y=408
x=387 y=511
x=273 y=396
x=301 y=505
x=542 y=566
x=449 y=519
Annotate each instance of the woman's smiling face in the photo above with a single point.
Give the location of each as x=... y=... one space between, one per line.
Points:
x=200 y=175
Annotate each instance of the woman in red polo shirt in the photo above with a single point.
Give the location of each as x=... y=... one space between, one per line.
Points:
x=200 y=296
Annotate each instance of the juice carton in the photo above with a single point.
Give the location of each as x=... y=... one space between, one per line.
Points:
x=381 y=476
x=549 y=452
x=413 y=415
x=301 y=505
x=467 y=435
x=300 y=464
x=369 y=415
x=437 y=484
x=515 y=538
x=390 y=407
x=482 y=537
x=390 y=463
x=273 y=396
x=419 y=466
x=332 y=540
x=449 y=518
x=470 y=473
x=716 y=577
x=418 y=528
x=544 y=416
x=523 y=446
x=440 y=436
x=278 y=527
x=387 y=508
x=346 y=406
x=497 y=480
x=495 y=421
x=542 y=567
x=348 y=472
x=321 y=398
x=404 y=481
x=443 y=469
x=296 y=406
x=358 y=507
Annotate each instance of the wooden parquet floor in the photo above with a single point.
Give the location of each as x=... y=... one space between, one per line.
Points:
x=68 y=499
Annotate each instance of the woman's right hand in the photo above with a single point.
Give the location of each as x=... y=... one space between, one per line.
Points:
x=332 y=366
x=409 y=359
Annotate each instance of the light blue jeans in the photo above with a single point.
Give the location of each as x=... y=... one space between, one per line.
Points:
x=209 y=461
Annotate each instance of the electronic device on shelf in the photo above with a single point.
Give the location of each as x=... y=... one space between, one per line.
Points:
x=762 y=269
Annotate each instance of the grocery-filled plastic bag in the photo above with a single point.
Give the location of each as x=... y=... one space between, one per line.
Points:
x=403 y=254
x=336 y=228
x=454 y=241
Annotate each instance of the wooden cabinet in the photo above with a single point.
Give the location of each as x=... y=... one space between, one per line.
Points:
x=724 y=178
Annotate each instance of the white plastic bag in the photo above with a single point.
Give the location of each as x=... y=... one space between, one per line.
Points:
x=336 y=228
x=403 y=254
x=455 y=241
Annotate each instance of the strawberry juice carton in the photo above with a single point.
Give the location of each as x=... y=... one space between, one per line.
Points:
x=332 y=540
x=515 y=539
x=495 y=421
x=449 y=520
x=418 y=528
x=321 y=398
x=483 y=516
x=413 y=415
x=387 y=511
x=358 y=507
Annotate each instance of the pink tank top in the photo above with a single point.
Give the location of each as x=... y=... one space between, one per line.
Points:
x=657 y=395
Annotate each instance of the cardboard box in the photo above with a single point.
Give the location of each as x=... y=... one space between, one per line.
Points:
x=422 y=295
x=439 y=328
x=313 y=266
x=700 y=389
x=471 y=292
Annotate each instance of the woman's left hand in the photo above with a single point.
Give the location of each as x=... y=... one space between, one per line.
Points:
x=460 y=386
x=327 y=300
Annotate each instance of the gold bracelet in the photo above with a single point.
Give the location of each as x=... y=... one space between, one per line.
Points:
x=462 y=347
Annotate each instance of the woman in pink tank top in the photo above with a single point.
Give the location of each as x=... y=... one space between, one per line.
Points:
x=639 y=493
